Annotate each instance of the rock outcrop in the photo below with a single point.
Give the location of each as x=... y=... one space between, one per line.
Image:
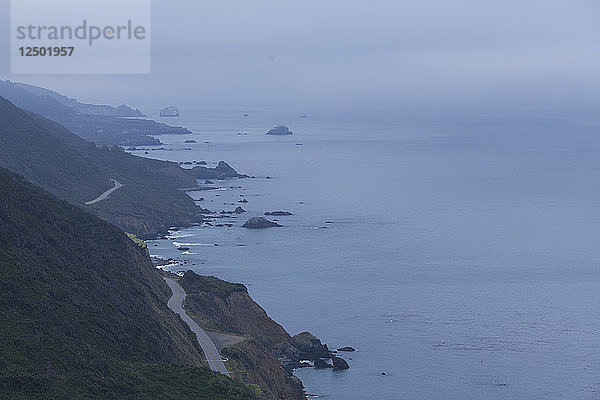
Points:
x=278 y=213
x=339 y=363
x=322 y=364
x=260 y=223
x=126 y=111
x=170 y=111
x=280 y=130
x=238 y=210
x=221 y=171
x=309 y=347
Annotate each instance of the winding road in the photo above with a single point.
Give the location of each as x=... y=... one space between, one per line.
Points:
x=105 y=194
x=211 y=353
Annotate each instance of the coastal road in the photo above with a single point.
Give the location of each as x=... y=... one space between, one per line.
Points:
x=211 y=353
x=105 y=194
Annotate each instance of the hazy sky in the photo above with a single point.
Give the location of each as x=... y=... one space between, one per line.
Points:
x=348 y=55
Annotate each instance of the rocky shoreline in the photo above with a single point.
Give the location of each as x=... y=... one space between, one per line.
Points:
x=269 y=355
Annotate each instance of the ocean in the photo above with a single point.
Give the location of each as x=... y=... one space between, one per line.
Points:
x=461 y=260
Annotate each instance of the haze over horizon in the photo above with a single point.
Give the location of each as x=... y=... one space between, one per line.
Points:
x=423 y=227
x=377 y=57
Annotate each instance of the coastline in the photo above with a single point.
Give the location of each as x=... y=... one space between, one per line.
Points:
x=272 y=366
x=268 y=356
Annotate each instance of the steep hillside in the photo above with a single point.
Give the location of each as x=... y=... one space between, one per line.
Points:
x=227 y=307
x=83 y=313
x=83 y=119
x=49 y=155
x=31 y=151
x=83 y=108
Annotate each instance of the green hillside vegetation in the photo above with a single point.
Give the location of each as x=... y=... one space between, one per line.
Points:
x=83 y=312
x=198 y=284
x=37 y=155
x=75 y=170
x=139 y=242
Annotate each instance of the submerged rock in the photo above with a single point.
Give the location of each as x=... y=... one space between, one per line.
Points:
x=278 y=213
x=238 y=210
x=259 y=223
x=280 y=130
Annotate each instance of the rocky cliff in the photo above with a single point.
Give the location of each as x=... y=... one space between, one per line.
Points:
x=269 y=355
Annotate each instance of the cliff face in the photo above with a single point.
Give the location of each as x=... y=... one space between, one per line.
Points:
x=269 y=355
x=253 y=364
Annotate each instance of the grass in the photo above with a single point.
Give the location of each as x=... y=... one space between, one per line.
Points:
x=139 y=242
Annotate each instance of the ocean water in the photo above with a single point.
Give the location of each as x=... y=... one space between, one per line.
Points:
x=463 y=262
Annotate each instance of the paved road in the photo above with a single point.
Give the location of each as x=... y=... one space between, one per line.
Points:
x=208 y=346
x=105 y=194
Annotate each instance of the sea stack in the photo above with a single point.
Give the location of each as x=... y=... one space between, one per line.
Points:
x=170 y=111
x=259 y=223
x=280 y=130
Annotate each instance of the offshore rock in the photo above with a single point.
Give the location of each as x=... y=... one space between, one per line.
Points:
x=259 y=223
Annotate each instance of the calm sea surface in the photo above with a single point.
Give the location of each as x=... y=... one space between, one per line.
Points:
x=464 y=263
